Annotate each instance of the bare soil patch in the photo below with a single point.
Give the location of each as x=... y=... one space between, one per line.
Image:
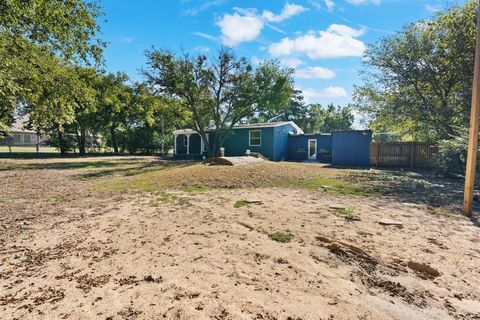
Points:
x=132 y=239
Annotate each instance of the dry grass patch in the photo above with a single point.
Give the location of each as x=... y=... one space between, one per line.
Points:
x=199 y=177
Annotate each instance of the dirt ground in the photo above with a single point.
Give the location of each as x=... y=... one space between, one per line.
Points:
x=137 y=238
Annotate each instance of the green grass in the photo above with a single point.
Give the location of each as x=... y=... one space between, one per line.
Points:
x=240 y=203
x=347 y=213
x=281 y=237
x=162 y=197
x=333 y=185
x=19 y=149
x=116 y=184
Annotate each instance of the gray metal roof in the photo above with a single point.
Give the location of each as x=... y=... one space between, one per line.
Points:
x=248 y=126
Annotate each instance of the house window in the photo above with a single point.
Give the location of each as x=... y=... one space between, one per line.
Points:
x=26 y=138
x=255 y=137
x=16 y=138
x=185 y=141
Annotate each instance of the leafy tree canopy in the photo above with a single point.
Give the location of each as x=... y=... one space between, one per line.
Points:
x=224 y=88
x=418 y=81
x=68 y=27
x=38 y=39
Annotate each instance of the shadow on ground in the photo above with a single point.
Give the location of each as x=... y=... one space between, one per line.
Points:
x=136 y=169
x=415 y=187
x=99 y=168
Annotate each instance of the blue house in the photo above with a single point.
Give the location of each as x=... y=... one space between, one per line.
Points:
x=280 y=141
x=268 y=139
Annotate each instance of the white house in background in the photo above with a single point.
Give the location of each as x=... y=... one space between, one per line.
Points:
x=23 y=137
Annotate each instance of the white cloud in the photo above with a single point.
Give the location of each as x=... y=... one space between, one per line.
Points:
x=204 y=6
x=312 y=96
x=289 y=10
x=246 y=24
x=238 y=28
x=329 y=4
x=335 y=42
x=205 y=36
x=433 y=8
x=333 y=92
x=357 y=2
x=315 y=73
x=291 y=62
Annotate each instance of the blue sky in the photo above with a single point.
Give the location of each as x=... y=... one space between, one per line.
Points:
x=322 y=39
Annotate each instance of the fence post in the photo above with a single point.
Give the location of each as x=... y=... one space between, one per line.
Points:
x=378 y=154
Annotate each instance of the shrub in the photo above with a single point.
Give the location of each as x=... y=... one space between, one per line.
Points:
x=452 y=155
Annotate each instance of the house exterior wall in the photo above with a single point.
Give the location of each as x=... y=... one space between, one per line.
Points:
x=238 y=142
x=281 y=138
x=351 y=148
x=342 y=148
x=298 y=147
x=194 y=146
x=26 y=139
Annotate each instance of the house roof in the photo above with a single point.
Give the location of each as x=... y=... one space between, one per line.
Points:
x=249 y=126
x=19 y=125
x=269 y=125
x=184 y=131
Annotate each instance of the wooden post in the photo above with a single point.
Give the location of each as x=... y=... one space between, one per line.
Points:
x=473 y=132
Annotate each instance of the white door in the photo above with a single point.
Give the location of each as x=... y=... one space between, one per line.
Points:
x=312 y=149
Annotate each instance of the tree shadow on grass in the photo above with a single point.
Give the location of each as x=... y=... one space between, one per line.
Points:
x=99 y=168
x=68 y=165
x=133 y=170
x=419 y=186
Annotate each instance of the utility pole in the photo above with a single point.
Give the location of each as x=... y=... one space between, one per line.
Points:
x=473 y=132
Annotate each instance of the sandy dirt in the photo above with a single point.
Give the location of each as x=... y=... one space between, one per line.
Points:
x=69 y=250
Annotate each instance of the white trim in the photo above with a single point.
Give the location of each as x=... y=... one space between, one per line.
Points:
x=269 y=125
x=250 y=138
x=188 y=144
x=247 y=126
x=184 y=131
x=314 y=157
x=202 y=146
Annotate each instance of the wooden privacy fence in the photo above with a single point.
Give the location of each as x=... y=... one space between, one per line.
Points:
x=402 y=154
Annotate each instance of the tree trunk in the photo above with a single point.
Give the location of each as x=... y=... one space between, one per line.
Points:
x=81 y=141
x=81 y=146
x=163 y=138
x=114 y=138
x=61 y=143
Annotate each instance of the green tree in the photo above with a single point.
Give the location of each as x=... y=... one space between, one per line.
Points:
x=85 y=121
x=66 y=27
x=114 y=99
x=328 y=119
x=61 y=99
x=32 y=33
x=418 y=81
x=149 y=118
x=294 y=111
x=225 y=90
